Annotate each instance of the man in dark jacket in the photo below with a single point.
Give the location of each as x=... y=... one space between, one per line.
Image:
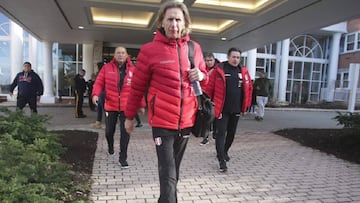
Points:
x=230 y=88
x=262 y=87
x=80 y=88
x=30 y=88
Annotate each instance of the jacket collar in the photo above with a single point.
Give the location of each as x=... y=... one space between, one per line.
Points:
x=159 y=36
x=128 y=61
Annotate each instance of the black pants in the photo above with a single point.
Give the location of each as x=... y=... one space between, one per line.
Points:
x=100 y=107
x=225 y=133
x=170 y=148
x=79 y=100
x=110 y=125
x=205 y=130
x=137 y=117
x=22 y=101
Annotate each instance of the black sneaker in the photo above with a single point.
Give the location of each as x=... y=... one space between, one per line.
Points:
x=124 y=164
x=139 y=125
x=223 y=167
x=204 y=142
x=111 y=151
x=227 y=158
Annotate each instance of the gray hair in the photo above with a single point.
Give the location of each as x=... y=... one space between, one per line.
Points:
x=174 y=4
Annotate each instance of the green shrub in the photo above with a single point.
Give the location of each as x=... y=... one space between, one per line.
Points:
x=348 y=120
x=30 y=166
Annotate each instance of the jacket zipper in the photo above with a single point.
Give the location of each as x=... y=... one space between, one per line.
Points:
x=118 y=80
x=181 y=84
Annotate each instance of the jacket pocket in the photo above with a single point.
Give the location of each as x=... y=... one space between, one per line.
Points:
x=152 y=106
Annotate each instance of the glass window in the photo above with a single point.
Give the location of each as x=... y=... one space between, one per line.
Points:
x=25 y=35
x=4 y=25
x=260 y=62
x=316 y=76
x=338 y=81
x=26 y=51
x=342 y=44
x=67 y=52
x=5 y=71
x=297 y=70
x=261 y=49
x=358 y=40
x=345 y=83
x=80 y=54
x=315 y=86
x=350 y=42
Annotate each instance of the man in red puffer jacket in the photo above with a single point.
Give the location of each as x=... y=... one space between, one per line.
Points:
x=230 y=88
x=163 y=66
x=115 y=78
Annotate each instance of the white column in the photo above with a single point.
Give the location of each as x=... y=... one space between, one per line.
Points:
x=48 y=96
x=33 y=53
x=333 y=66
x=88 y=59
x=284 y=70
x=251 y=62
x=354 y=80
x=277 y=72
x=16 y=49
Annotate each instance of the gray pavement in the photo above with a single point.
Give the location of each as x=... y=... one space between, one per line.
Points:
x=263 y=168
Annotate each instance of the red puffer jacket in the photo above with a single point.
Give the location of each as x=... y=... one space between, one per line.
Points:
x=108 y=80
x=216 y=89
x=162 y=66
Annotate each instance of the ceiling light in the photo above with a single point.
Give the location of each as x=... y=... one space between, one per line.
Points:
x=223 y=39
x=210 y=25
x=81 y=27
x=121 y=17
x=245 y=5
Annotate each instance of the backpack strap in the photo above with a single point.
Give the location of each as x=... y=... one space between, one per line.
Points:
x=191 y=59
x=191 y=53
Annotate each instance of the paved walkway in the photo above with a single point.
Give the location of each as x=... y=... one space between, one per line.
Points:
x=263 y=168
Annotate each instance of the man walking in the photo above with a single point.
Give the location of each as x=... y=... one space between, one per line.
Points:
x=230 y=88
x=30 y=88
x=115 y=79
x=262 y=87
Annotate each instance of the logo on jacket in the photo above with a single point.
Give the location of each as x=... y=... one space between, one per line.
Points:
x=128 y=81
x=23 y=78
x=158 y=141
x=167 y=61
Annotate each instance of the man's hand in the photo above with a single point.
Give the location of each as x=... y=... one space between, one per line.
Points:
x=95 y=100
x=141 y=111
x=196 y=74
x=129 y=125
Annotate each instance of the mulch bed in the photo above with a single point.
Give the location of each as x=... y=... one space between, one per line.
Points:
x=343 y=143
x=80 y=149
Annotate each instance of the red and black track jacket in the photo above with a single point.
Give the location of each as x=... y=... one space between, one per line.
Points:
x=216 y=89
x=108 y=80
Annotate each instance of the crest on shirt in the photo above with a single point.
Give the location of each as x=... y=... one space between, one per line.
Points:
x=158 y=141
